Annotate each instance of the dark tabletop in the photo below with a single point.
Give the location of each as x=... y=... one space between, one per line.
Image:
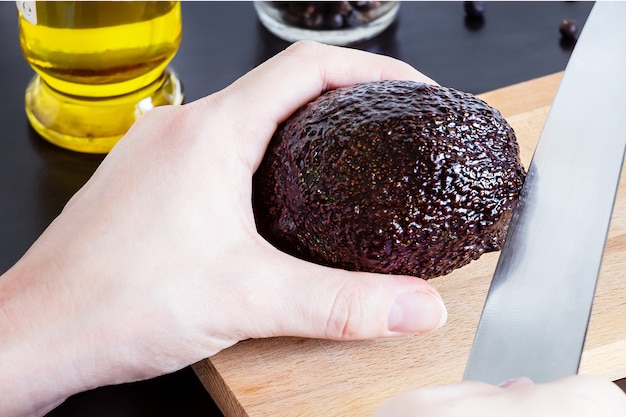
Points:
x=516 y=41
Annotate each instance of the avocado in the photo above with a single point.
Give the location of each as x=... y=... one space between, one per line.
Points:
x=393 y=177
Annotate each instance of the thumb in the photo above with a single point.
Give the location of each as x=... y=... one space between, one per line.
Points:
x=329 y=303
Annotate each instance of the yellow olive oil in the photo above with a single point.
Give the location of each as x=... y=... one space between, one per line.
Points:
x=100 y=64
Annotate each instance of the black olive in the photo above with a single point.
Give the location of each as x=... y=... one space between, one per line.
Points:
x=339 y=7
x=327 y=15
x=314 y=20
x=353 y=18
x=568 y=29
x=474 y=8
x=334 y=21
x=365 y=5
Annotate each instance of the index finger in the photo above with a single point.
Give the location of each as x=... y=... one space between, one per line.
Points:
x=271 y=92
x=306 y=69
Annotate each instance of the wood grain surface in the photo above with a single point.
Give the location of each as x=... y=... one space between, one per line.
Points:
x=306 y=377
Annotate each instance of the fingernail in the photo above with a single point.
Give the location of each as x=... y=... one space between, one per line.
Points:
x=516 y=382
x=417 y=312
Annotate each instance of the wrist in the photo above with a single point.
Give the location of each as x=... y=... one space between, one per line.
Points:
x=41 y=348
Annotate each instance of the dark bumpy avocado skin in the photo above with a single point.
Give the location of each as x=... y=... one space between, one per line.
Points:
x=393 y=177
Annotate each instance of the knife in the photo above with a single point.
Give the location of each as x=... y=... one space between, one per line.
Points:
x=537 y=310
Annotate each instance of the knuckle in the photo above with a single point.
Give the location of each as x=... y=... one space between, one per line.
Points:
x=347 y=314
x=304 y=48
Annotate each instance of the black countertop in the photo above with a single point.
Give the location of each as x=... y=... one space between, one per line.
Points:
x=516 y=41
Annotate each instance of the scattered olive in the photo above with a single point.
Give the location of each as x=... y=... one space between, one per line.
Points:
x=474 y=9
x=568 y=29
x=328 y=15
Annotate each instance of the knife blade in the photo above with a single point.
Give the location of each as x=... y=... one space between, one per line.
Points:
x=537 y=309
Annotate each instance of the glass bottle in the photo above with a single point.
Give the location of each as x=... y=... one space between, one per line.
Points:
x=99 y=65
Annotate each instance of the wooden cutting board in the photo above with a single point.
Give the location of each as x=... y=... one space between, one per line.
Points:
x=304 y=377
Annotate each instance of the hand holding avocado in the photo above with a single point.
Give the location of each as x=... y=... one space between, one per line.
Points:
x=156 y=262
